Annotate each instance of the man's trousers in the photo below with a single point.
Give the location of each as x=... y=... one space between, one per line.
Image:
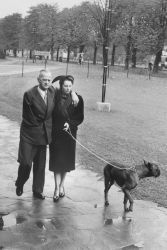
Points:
x=31 y=155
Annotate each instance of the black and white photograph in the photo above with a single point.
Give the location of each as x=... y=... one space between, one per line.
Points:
x=83 y=125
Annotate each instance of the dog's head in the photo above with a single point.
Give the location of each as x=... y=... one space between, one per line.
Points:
x=153 y=169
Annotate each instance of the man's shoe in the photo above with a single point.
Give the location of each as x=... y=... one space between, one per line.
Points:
x=19 y=190
x=38 y=195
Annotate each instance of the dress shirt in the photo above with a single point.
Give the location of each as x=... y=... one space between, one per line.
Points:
x=43 y=94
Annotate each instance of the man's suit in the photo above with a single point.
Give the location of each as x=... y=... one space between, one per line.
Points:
x=35 y=134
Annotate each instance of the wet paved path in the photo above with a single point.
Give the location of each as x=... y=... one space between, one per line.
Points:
x=77 y=222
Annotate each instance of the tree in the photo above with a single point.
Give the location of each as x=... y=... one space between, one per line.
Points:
x=11 y=29
x=162 y=33
x=73 y=28
x=41 y=27
x=98 y=11
x=2 y=42
x=137 y=28
x=99 y=15
x=94 y=38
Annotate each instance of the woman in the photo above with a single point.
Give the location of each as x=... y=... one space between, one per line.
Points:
x=66 y=118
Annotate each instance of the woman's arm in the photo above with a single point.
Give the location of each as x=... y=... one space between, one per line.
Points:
x=77 y=115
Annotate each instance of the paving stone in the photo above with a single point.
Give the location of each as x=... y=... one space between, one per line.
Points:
x=79 y=220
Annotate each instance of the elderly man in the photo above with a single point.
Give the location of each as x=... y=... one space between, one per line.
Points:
x=35 y=134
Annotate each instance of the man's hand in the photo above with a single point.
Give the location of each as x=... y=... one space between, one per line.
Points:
x=75 y=98
x=66 y=126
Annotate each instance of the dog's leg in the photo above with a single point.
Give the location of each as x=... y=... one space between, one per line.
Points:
x=128 y=197
x=107 y=183
x=125 y=202
x=106 y=192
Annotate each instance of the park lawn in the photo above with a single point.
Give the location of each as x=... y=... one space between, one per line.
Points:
x=135 y=129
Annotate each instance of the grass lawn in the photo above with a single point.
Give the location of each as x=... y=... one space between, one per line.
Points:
x=135 y=129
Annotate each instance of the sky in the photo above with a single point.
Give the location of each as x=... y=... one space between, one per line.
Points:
x=9 y=7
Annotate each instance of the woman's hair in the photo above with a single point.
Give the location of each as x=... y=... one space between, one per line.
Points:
x=63 y=78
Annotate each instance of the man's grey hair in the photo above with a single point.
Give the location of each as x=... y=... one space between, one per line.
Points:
x=43 y=71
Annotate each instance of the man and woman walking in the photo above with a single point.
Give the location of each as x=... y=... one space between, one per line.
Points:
x=47 y=115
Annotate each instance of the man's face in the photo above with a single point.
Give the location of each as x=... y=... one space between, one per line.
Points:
x=44 y=80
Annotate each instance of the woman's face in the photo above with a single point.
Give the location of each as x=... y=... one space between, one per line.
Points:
x=67 y=87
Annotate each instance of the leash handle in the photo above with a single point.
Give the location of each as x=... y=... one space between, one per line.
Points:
x=94 y=154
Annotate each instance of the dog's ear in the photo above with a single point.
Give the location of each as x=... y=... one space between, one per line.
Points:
x=148 y=164
x=145 y=162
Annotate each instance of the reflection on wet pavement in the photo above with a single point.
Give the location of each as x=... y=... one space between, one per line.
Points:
x=80 y=220
x=1 y=223
x=20 y=219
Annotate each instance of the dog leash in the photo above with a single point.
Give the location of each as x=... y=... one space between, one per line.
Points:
x=94 y=154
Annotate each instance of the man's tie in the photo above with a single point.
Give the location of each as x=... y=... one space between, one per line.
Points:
x=45 y=97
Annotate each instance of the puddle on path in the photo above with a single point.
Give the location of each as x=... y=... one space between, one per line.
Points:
x=10 y=220
x=115 y=221
x=41 y=225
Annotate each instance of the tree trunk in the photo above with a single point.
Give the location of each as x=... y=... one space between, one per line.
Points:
x=57 y=54
x=113 y=55
x=95 y=53
x=52 y=47
x=134 y=52
x=127 y=53
x=157 y=61
x=2 y=54
x=129 y=44
x=75 y=52
x=68 y=54
x=51 y=53
x=30 y=54
x=81 y=48
x=15 y=52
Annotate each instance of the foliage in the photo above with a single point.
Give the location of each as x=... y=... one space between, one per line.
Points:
x=135 y=25
x=40 y=25
x=74 y=26
x=10 y=29
x=139 y=24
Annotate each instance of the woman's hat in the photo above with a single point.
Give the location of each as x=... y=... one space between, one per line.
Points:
x=63 y=78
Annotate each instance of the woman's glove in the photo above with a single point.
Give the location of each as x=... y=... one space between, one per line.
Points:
x=66 y=126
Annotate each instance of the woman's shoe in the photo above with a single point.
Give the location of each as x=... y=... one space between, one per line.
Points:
x=62 y=194
x=55 y=198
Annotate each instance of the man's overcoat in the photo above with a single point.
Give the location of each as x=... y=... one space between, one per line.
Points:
x=36 y=126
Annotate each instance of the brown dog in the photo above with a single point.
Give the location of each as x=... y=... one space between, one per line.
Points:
x=127 y=179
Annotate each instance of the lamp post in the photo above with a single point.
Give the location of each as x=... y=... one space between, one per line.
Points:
x=107 y=20
x=104 y=106
x=34 y=32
